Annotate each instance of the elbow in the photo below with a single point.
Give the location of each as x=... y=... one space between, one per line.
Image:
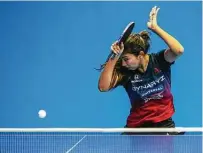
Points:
x=103 y=88
x=180 y=51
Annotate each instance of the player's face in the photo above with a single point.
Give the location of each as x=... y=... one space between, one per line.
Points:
x=130 y=61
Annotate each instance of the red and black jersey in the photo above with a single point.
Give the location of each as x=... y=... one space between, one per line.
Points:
x=150 y=92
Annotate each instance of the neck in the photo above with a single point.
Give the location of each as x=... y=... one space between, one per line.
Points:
x=144 y=64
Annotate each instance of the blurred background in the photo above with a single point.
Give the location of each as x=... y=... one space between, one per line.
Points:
x=48 y=52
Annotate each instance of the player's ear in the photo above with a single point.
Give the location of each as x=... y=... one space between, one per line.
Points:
x=141 y=55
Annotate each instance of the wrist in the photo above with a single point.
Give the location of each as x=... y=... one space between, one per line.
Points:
x=116 y=56
x=156 y=29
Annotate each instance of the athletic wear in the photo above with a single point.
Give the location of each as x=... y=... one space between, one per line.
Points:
x=150 y=92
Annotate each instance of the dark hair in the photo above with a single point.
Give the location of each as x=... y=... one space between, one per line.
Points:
x=134 y=44
x=137 y=42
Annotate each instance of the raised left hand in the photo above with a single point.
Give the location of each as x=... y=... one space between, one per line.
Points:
x=152 y=23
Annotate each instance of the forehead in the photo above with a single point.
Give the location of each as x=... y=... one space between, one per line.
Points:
x=127 y=55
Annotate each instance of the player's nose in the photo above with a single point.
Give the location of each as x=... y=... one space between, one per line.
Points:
x=124 y=63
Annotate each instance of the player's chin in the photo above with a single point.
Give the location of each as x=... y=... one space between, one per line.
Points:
x=131 y=68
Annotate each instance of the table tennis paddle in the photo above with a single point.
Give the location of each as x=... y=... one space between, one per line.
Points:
x=124 y=36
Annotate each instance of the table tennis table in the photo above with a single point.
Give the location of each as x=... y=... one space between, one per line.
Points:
x=98 y=143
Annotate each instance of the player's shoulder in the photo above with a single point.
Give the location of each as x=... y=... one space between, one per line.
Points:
x=158 y=58
x=158 y=55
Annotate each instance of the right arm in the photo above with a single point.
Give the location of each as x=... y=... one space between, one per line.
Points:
x=105 y=81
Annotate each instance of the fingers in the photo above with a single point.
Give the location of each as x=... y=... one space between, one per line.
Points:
x=154 y=12
x=152 y=23
x=116 y=48
x=157 y=10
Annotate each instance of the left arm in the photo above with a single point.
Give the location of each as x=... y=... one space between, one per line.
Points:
x=175 y=48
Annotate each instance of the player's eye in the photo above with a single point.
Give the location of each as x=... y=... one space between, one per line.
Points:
x=125 y=59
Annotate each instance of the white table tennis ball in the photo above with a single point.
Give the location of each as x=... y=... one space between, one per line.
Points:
x=42 y=113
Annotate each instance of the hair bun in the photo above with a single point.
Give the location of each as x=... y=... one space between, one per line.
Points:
x=145 y=35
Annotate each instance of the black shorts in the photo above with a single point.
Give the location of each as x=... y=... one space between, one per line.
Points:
x=169 y=123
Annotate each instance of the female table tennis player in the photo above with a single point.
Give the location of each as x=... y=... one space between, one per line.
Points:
x=145 y=77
